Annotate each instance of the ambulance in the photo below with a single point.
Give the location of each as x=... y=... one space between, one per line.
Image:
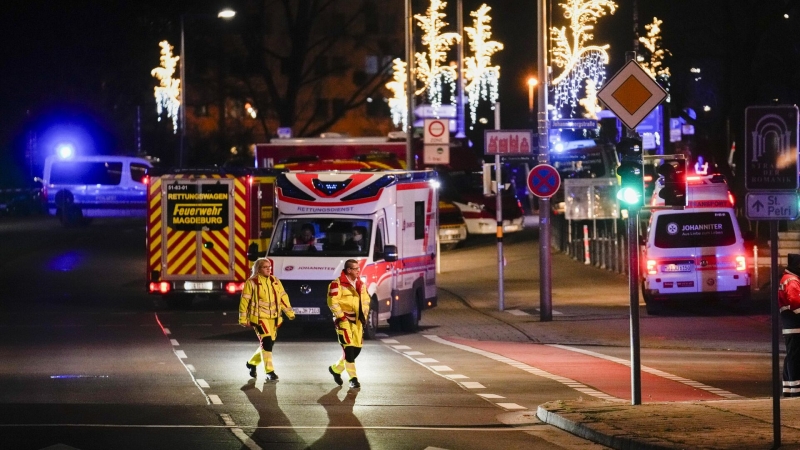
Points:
x=394 y=214
x=697 y=253
x=204 y=229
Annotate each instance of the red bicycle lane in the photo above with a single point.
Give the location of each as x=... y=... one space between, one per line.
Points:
x=601 y=374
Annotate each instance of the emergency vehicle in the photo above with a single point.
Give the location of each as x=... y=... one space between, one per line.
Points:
x=331 y=147
x=698 y=252
x=202 y=228
x=396 y=213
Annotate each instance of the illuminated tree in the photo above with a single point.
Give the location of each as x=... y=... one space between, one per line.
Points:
x=430 y=67
x=480 y=76
x=577 y=60
x=655 y=64
x=398 y=101
x=168 y=93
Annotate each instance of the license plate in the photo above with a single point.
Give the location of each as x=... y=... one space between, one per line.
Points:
x=677 y=268
x=685 y=284
x=306 y=311
x=198 y=286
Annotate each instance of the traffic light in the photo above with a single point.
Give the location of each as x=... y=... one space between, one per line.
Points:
x=631 y=173
x=674 y=182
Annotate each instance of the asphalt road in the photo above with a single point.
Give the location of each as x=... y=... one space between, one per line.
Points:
x=92 y=362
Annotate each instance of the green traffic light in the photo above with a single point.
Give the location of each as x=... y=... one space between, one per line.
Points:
x=629 y=195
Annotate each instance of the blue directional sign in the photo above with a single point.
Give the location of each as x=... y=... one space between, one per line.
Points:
x=544 y=180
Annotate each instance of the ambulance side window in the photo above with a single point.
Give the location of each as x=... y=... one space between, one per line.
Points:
x=378 y=249
x=419 y=220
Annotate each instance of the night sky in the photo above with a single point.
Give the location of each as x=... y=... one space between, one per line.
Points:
x=89 y=61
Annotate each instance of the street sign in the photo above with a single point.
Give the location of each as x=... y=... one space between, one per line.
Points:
x=436 y=131
x=771 y=205
x=507 y=142
x=427 y=111
x=573 y=123
x=631 y=94
x=771 y=145
x=544 y=180
x=436 y=154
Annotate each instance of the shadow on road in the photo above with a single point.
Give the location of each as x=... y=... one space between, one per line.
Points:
x=344 y=428
x=274 y=428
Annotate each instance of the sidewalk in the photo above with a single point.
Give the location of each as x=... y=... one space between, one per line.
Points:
x=723 y=424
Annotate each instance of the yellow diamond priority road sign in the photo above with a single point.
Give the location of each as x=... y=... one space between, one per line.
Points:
x=631 y=94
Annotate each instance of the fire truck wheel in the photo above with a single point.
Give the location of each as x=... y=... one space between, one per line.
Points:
x=179 y=301
x=410 y=322
x=371 y=330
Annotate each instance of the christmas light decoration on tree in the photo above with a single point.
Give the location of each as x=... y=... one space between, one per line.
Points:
x=655 y=65
x=579 y=61
x=430 y=67
x=169 y=91
x=481 y=77
x=589 y=102
x=397 y=102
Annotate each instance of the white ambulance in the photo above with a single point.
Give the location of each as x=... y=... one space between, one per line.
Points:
x=385 y=220
x=695 y=253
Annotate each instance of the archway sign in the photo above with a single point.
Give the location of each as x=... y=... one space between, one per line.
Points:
x=544 y=180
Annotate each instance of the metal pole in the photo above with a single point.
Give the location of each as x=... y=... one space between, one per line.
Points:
x=776 y=332
x=409 y=86
x=499 y=215
x=183 y=99
x=460 y=127
x=545 y=273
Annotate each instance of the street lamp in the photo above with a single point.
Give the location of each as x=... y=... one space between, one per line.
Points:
x=532 y=82
x=224 y=14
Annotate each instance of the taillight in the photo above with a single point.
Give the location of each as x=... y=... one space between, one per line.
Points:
x=146 y=180
x=741 y=263
x=249 y=179
x=233 y=288
x=161 y=287
x=651 y=266
x=730 y=198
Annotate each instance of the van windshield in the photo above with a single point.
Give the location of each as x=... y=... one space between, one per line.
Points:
x=696 y=229
x=83 y=172
x=321 y=237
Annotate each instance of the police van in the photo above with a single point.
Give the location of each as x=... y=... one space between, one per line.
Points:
x=696 y=253
x=79 y=188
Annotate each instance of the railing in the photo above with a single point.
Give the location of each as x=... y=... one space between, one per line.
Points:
x=598 y=242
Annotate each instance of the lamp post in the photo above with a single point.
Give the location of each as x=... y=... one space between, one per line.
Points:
x=223 y=14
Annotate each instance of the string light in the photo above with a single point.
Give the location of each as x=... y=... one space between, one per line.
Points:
x=169 y=91
x=481 y=77
x=655 y=65
x=430 y=68
x=397 y=102
x=578 y=61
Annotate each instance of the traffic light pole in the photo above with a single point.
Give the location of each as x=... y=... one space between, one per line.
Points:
x=633 y=286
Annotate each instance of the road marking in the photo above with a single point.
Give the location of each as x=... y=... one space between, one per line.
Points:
x=472 y=385
x=656 y=372
x=203 y=383
x=191 y=368
x=215 y=400
x=390 y=341
x=180 y=354
x=510 y=406
x=174 y=342
x=517 y=312
x=427 y=360
x=532 y=370
x=491 y=396
x=237 y=431
x=456 y=376
x=555 y=313
x=167 y=332
x=441 y=368
x=413 y=353
x=402 y=347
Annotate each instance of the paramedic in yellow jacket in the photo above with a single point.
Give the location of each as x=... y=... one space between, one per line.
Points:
x=263 y=300
x=349 y=303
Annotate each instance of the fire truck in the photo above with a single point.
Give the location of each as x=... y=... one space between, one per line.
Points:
x=395 y=212
x=202 y=228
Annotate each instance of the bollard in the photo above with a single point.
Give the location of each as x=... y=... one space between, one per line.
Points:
x=587 y=259
x=755 y=266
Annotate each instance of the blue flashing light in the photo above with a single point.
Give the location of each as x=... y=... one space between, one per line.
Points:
x=65 y=150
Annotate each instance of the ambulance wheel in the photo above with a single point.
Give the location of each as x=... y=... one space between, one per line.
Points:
x=410 y=322
x=371 y=330
x=179 y=301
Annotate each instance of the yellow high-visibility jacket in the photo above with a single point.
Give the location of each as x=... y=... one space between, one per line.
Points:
x=344 y=300
x=267 y=301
